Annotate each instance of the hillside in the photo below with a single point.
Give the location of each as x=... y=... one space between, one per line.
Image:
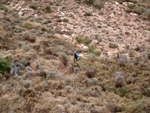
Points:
x=37 y=43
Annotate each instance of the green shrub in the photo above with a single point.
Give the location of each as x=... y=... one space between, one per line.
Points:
x=131 y=6
x=112 y=45
x=92 y=57
x=129 y=10
x=5 y=66
x=3 y=7
x=59 y=20
x=65 y=20
x=121 y=1
x=137 y=49
x=4 y=1
x=87 y=40
x=91 y=48
x=97 y=52
x=47 y=22
x=146 y=15
x=28 y=26
x=148 y=55
x=146 y=92
x=24 y=61
x=79 y=39
x=26 y=47
x=48 y=9
x=127 y=46
x=131 y=54
x=88 y=14
x=122 y=91
x=64 y=58
x=99 y=26
x=91 y=72
x=99 y=6
x=51 y=3
x=139 y=10
x=33 y=6
x=90 y=2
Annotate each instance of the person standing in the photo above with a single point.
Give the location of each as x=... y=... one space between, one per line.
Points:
x=76 y=56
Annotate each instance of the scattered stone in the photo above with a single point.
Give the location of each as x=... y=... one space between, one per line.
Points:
x=27 y=84
x=20 y=44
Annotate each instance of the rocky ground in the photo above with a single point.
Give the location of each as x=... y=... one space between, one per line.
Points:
x=112 y=74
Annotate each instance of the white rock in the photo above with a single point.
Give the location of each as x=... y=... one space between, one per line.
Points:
x=20 y=13
x=116 y=3
x=112 y=15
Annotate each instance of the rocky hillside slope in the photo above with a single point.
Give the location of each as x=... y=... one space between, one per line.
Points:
x=37 y=71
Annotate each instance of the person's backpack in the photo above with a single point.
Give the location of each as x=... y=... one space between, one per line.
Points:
x=77 y=55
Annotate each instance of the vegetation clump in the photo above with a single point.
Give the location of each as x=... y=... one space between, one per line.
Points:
x=85 y=40
x=112 y=45
x=88 y=14
x=64 y=58
x=47 y=22
x=119 y=79
x=33 y=6
x=91 y=72
x=5 y=66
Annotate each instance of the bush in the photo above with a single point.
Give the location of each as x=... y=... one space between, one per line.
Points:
x=99 y=6
x=26 y=47
x=38 y=65
x=2 y=7
x=87 y=41
x=92 y=57
x=91 y=72
x=139 y=10
x=33 y=6
x=119 y=79
x=137 y=49
x=111 y=45
x=28 y=26
x=47 y=22
x=5 y=66
x=91 y=48
x=59 y=20
x=146 y=92
x=129 y=10
x=131 y=6
x=121 y=1
x=97 y=52
x=88 y=14
x=122 y=91
x=99 y=26
x=148 y=55
x=48 y=9
x=79 y=39
x=64 y=58
x=65 y=20
x=24 y=61
x=146 y=15
x=90 y=2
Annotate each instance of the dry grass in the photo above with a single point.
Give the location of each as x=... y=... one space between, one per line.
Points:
x=69 y=92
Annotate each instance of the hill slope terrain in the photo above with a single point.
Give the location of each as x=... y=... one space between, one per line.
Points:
x=37 y=43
